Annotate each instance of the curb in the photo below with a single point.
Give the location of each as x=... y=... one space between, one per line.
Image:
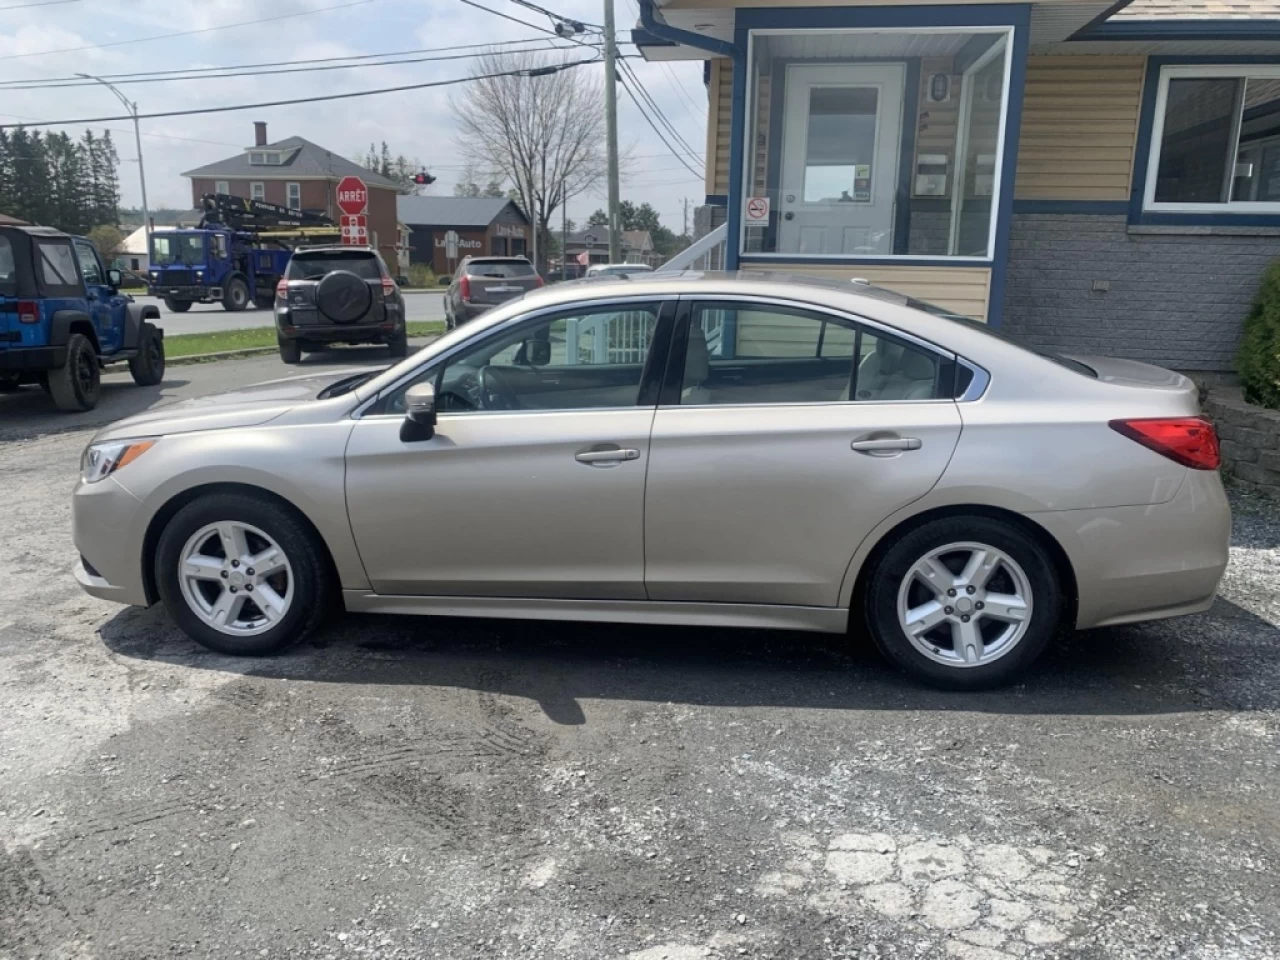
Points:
x=219 y=355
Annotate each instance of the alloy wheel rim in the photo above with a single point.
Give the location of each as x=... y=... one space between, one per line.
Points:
x=84 y=372
x=965 y=604
x=235 y=578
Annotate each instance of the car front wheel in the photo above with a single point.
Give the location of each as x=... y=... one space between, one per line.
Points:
x=241 y=575
x=964 y=603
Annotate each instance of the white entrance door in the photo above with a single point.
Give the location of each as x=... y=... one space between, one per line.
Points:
x=842 y=133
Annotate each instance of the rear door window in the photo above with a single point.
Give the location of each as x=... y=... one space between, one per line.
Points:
x=56 y=268
x=315 y=266
x=8 y=269
x=504 y=269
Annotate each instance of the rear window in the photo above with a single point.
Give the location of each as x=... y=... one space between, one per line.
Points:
x=505 y=269
x=8 y=269
x=313 y=266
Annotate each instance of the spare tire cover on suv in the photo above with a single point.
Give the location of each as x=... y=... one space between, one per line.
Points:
x=342 y=296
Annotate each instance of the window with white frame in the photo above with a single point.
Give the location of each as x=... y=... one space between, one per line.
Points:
x=874 y=143
x=1215 y=142
x=258 y=190
x=221 y=186
x=294 y=193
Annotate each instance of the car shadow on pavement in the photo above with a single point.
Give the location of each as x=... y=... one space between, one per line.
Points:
x=1221 y=660
x=28 y=412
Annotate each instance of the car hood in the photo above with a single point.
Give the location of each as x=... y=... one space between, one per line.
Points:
x=242 y=407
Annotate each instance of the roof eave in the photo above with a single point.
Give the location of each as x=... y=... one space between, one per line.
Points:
x=1182 y=29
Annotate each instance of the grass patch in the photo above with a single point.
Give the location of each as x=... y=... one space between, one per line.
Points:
x=190 y=344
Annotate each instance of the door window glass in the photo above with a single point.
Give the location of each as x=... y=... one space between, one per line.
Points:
x=591 y=359
x=754 y=355
x=840 y=146
x=89 y=265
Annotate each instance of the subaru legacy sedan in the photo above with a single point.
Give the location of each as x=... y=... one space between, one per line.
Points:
x=725 y=450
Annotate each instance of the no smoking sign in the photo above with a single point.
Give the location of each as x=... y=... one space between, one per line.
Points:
x=757 y=210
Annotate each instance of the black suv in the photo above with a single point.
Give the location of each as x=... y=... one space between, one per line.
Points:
x=338 y=295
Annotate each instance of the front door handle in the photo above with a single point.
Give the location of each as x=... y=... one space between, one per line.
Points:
x=607 y=456
x=883 y=444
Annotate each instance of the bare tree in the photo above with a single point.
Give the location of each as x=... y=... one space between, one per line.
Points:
x=543 y=134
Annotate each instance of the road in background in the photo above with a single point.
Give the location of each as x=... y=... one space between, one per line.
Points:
x=211 y=318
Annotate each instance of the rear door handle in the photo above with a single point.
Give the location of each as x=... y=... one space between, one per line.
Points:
x=607 y=456
x=885 y=444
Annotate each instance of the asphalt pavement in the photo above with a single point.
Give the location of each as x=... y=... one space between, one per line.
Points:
x=211 y=318
x=405 y=788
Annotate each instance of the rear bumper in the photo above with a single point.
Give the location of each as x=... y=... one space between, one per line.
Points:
x=337 y=332
x=1147 y=562
x=29 y=359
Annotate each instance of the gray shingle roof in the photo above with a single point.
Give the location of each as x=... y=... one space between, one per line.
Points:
x=306 y=159
x=452 y=211
x=1200 y=10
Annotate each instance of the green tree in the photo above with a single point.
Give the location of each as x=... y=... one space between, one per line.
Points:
x=108 y=239
x=1258 y=361
x=103 y=182
x=31 y=187
x=598 y=219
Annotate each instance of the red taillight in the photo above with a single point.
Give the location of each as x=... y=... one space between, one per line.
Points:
x=464 y=287
x=282 y=288
x=1190 y=441
x=388 y=286
x=537 y=280
x=28 y=311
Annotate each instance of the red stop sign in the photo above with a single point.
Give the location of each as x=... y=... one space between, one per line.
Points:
x=353 y=195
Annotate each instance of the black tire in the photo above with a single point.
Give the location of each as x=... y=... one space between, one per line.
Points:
x=10 y=385
x=892 y=565
x=177 y=306
x=398 y=344
x=147 y=368
x=312 y=584
x=449 y=322
x=265 y=301
x=235 y=296
x=77 y=384
x=290 y=351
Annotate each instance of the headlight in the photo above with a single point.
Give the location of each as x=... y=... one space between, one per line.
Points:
x=100 y=460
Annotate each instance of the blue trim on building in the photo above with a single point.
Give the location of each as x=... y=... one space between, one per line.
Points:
x=643 y=38
x=1016 y=83
x=835 y=18
x=1097 y=208
x=663 y=30
x=764 y=259
x=906 y=151
x=716 y=200
x=1101 y=18
x=1142 y=153
x=737 y=121
x=1154 y=30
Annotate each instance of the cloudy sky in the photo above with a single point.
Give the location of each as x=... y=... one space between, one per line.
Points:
x=44 y=39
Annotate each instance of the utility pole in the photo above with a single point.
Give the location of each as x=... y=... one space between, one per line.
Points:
x=137 y=138
x=564 y=232
x=611 y=131
x=684 y=231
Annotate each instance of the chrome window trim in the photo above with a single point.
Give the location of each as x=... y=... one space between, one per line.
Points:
x=504 y=326
x=940 y=353
x=977 y=386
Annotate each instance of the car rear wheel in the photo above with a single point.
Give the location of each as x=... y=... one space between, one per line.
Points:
x=77 y=383
x=236 y=296
x=177 y=306
x=398 y=344
x=290 y=351
x=147 y=368
x=241 y=575
x=964 y=603
x=9 y=385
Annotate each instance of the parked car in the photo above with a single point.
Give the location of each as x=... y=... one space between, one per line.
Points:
x=617 y=269
x=338 y=294
x=481 y=283
x=63 y=317
x=760 y=450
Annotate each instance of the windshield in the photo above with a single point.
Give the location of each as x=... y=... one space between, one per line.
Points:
x=506 y=269
x=313 y=266
x=184 y=248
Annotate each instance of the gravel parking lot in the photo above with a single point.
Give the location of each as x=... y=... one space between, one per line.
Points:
x=407 y=788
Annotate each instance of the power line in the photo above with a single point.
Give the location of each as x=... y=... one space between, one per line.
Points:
x=77 y=80
x=160 y=136
x=653 y=104
x=39 y=3
x=553 y=15
x=186 y=33
x=270 y=73
x=533 y=72
x=698 y=114
x=627 y=87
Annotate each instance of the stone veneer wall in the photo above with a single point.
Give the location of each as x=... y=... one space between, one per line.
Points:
x=1250 y=439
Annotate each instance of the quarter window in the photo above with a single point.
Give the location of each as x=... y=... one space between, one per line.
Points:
x=739 y=354
x=1216 y=141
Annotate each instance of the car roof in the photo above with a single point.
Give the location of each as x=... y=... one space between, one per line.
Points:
x=494 y=259
x=34 y=231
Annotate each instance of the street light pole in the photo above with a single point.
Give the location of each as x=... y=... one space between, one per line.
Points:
x=137 y=138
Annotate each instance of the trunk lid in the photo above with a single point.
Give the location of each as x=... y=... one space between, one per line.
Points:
x=1166 y=389
x=496 y=281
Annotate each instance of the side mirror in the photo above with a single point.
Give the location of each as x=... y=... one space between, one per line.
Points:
x=420 y=413
x=537 y=353
x=114 y=277
x=445 y=280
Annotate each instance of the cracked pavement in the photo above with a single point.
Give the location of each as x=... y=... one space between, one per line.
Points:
x=405 y=788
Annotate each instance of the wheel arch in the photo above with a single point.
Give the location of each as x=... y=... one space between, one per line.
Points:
x=66 y=322
x=1058 y=556
x=161 y=518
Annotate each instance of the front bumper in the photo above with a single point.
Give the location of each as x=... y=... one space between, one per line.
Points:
x=167 y=292
x=1147 y=562
x=31 y=359
x=108 y=532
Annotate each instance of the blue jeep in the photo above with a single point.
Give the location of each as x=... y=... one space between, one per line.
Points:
x=62 y=317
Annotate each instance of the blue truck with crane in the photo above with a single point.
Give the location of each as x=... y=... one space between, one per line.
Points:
x=235 y=256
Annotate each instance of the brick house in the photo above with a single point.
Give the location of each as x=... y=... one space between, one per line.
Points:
x=1092 y=175
x=297 y=173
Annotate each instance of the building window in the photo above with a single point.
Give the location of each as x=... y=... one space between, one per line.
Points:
x=258 y=190
x=1216 y=140
x=294 y=192
x=874 y=143
x=221 y=186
